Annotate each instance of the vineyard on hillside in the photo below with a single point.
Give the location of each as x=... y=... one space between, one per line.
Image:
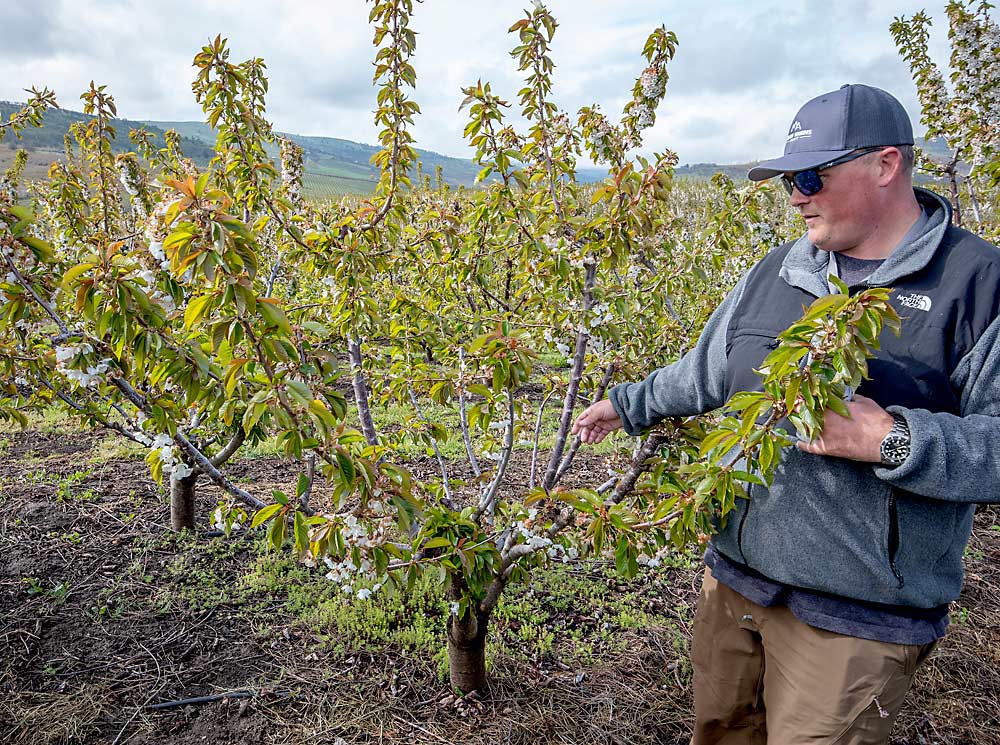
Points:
x=304 y=469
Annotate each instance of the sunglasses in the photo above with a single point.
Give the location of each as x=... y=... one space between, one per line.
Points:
x=808 y=182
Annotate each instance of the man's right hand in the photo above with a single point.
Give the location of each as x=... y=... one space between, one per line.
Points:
x=596 y=422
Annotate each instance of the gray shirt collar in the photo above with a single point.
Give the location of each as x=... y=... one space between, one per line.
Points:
x=808 y=267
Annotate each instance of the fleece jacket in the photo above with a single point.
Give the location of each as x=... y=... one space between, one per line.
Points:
x=857 y=530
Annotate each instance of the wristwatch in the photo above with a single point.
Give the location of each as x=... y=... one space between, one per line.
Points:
x=895 y=448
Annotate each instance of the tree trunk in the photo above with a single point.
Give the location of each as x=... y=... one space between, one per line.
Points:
x=974 y=202
x=182 y=502
x=467 y=650
x=952 y=171
x=956 y=206
x=360 y=386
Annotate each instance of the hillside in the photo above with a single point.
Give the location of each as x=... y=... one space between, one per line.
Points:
x=333 y=166
x=57 y=122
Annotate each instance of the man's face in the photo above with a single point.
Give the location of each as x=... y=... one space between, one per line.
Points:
x=842 y=214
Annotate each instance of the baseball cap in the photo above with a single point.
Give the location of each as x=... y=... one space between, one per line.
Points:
x=835 y=124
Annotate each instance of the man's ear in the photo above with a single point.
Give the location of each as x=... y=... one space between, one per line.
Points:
x=890 y=165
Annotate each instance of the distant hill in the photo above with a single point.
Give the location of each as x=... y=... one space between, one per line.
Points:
x=707 y=170
x=333 y=166
x=334 y=162
x=56 y=124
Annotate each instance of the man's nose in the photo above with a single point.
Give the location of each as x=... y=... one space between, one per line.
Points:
x=798 y=197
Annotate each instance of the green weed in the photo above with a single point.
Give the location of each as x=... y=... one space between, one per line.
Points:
x=66 y=488
x=54 y=593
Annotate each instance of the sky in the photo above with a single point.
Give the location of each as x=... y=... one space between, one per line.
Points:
x=741 y=71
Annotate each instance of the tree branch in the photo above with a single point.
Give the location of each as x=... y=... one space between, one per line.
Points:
x=463 y=416
x=582 y=337
x=448 y=501
x=487 y=503
x=567 y=461
x=538 y=429
x=38 y=298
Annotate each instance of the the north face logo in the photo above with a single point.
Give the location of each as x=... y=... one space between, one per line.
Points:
x=913 y=300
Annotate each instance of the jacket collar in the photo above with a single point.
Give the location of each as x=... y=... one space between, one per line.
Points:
x=808 y=267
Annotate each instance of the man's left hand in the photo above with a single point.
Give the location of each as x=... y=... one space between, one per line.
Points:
x=857 y=438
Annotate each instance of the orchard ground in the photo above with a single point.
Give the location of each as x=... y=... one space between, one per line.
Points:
x=107 y=612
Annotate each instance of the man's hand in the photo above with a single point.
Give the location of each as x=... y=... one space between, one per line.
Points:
x=596 y=422
x=857 y=438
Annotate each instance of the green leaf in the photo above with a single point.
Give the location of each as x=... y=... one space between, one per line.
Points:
x=42 y=250
x=839 y=284
x=346 y=467
x=301 y=533
x=276 y=533
x=273 y=315
x=438 y=542
x=300 y=392
x=73 y=274
x=792 y=393
x=835 y=403
x=597 y=528
x=196 y=309
x=264 y=514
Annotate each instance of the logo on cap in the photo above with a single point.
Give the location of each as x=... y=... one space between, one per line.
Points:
x=795 y=132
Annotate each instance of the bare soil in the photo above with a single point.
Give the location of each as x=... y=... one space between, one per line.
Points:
x=105 y=614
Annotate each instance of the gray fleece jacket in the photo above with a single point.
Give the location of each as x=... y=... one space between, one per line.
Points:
x=883 y=535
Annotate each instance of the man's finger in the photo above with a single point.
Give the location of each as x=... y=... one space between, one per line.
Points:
x=807 y=447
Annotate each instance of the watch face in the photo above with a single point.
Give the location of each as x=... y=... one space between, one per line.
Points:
x=895 y=449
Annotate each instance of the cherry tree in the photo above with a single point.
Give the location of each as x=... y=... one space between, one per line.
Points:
x=966 y=115
x=194 y=310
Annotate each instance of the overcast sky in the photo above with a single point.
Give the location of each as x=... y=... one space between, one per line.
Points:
x=741 y=71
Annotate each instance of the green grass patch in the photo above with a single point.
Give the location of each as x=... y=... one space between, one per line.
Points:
x=572 y=614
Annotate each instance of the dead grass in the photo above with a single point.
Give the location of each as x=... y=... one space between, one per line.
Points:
x=54 y=718
x=150 y=616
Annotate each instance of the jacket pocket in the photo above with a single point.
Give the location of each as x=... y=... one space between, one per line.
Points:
x=746 y=351
x=892 y=537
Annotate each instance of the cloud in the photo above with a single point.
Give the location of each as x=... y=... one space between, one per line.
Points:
x=26 y=31
x=742 y=68
x=704 y=127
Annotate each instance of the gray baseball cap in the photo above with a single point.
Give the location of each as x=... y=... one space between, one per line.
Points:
x=835 y=124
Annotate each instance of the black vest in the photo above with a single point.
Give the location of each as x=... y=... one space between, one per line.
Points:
x=944 y=308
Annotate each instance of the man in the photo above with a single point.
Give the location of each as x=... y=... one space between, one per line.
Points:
x=824 y=593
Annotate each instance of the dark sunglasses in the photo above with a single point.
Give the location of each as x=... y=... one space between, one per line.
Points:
x=808 y=182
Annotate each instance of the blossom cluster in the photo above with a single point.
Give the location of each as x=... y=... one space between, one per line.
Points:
x=561 y=346
x=7 y=191
x=228 y=517
x=155 y=233
x=653 y=82
x=601 y=137
x=975 y=111
x=531 y=533
x=291 y=170
x=346 y=572
x=156 y=295
x=129 y=176
x=90 y=374
x=644 y=116
x=601 y=314
x=168 y=455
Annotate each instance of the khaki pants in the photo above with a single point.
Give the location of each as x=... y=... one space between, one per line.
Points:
x=763 y=676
